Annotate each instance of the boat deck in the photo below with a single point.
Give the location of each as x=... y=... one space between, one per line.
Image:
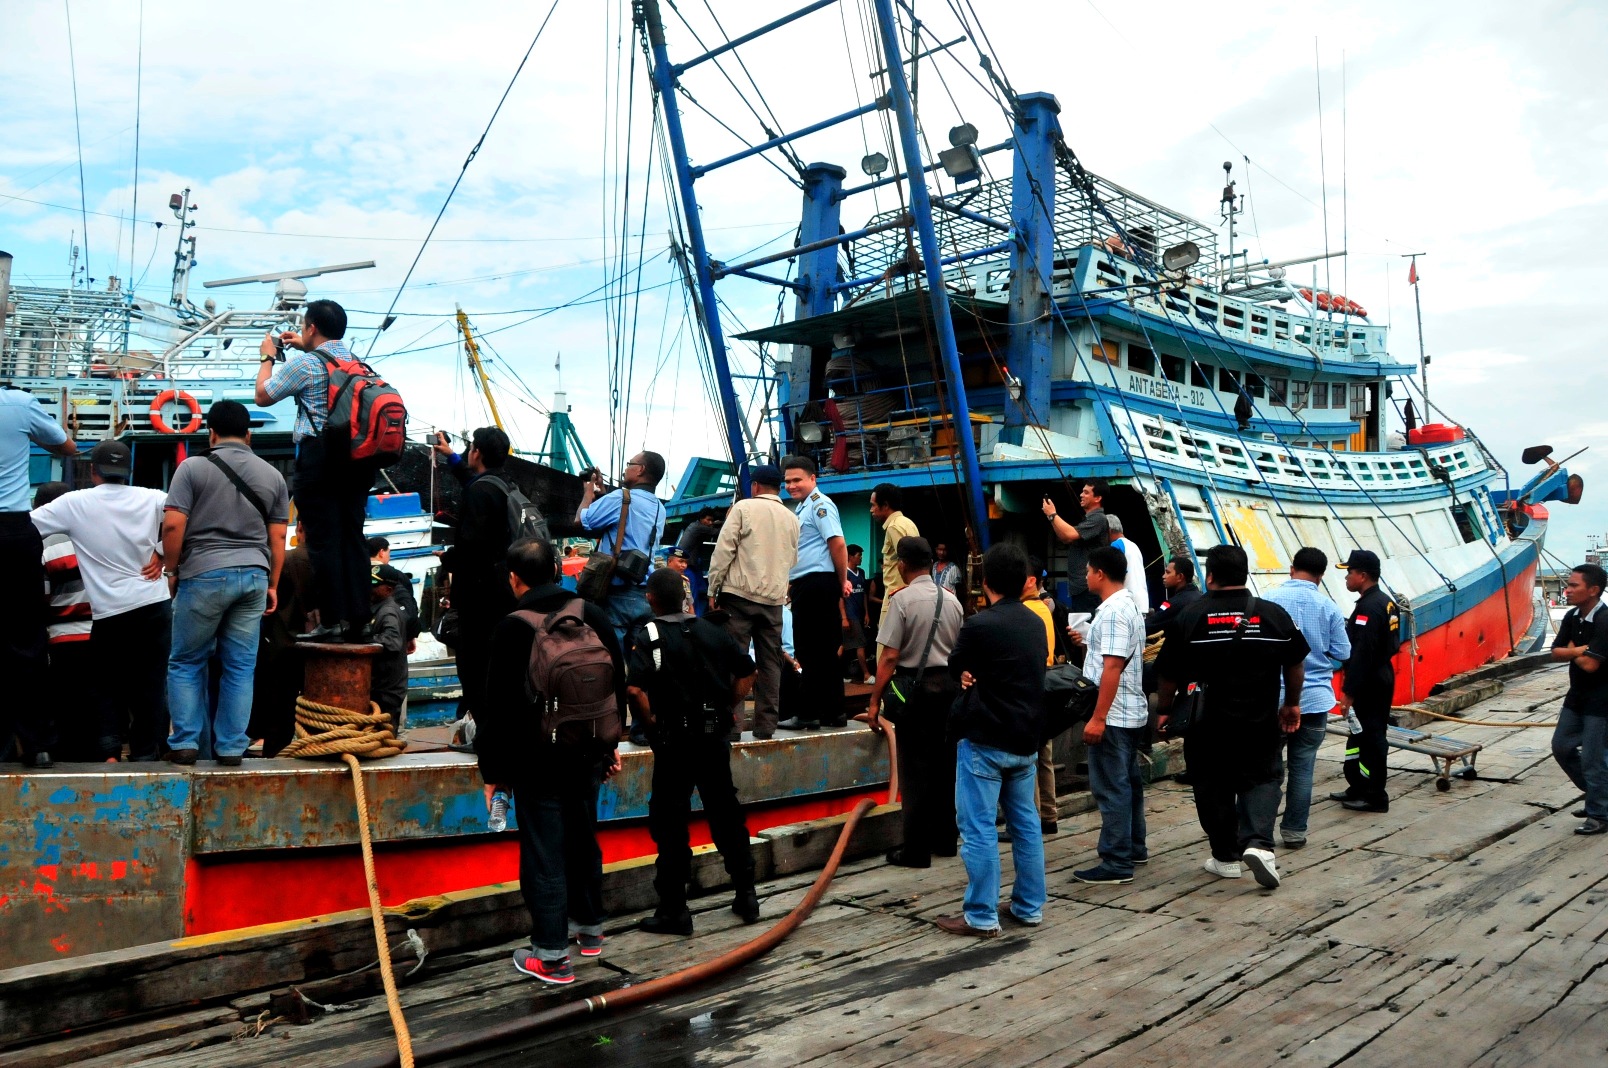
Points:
x=1463 y=928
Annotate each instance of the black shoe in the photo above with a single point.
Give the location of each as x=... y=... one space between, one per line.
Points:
x=40 y=759
x=1592 y=826
x=183 y=756
x=1360 y=804
x=229 y=761
x=639 y=738
x=793 y=723
x=1343 y=796
x=841 y=721
x=675 y=923
x=1014 y=920
x=1579 y=813
x=745 y=904
x=1049 y=827
x=906 y=859
x=950 y=851
x=333 y=634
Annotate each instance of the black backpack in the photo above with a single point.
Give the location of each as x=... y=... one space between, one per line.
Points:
x=525 y=520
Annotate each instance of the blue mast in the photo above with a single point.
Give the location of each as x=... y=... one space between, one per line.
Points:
x=921 y=210
x=664 y=82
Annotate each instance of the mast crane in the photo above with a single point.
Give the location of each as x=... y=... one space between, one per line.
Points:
x=472 y=350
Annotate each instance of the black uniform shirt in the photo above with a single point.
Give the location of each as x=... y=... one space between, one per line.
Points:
x=1241 y=675
x=696 y=664
x=1588 y=690
x=1374 y=631
x=1170 y=607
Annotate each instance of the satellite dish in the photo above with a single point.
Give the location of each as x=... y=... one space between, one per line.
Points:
x=1181 y=257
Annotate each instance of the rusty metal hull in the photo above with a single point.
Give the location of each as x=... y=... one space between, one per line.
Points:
x=96 y=857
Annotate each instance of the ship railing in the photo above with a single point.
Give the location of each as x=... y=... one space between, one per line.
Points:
x=867 y=427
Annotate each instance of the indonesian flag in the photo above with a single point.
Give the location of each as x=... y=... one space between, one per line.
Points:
x=1412 y=274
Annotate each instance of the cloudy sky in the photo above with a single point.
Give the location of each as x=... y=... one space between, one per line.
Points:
x=1475 y=133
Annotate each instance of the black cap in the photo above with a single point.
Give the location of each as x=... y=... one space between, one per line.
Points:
x=766 y=475
x=914 y=552
x=677 y=552
x=112 y=457
x=1364 y=561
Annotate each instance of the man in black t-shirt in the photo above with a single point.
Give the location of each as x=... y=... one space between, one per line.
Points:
x=1580 y=741
x=1374 y=631
x=1081 y=538
x=686 y=675
x=1236 y=647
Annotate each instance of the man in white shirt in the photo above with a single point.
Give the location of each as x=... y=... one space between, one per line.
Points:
x=1135 y=582
x=1116 y=730
x=116 y=529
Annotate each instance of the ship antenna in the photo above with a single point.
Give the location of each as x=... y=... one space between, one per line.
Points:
x=78 y=132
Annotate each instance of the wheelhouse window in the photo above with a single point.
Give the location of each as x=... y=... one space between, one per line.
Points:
x=1141 y=360
x=1172 y=367
x=1200 y=376
x=1320 y=394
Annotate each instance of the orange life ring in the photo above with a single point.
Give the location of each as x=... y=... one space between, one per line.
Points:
x=160 y=425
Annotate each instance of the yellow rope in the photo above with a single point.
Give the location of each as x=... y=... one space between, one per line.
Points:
x=1465 y=722
x=326 y=730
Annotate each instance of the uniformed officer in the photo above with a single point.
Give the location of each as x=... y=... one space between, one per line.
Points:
x=1374 y=631
x=819 y=584
x=685 y=677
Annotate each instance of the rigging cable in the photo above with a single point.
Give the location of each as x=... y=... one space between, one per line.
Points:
x=139 y=92
x=461 y=172
x=78 y=133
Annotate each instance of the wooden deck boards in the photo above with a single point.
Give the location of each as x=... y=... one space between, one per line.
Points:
x=1461 y=928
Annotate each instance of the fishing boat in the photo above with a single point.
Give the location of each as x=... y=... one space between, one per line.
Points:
x=992 y=341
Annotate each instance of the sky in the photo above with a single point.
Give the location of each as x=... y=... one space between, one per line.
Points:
x=1473 y=133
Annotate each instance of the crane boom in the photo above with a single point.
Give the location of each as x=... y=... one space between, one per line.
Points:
x=473 y=351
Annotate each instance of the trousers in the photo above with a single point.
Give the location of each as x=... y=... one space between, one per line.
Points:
x=560 y=864
x=1118 y=786
x=219 y=612
x=1302 y=753
x=817 y=633
x=1580 y=746
x=1366 y=752
x=762 y=624
x=22 y=638
x=331 y=502
x=131 y=659
x=989 y=780
x=1237 y=770
x=927 y=776
x=680 y=766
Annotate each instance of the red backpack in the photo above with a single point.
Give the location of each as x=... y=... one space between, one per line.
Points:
x=367 y=420
x=571 y=678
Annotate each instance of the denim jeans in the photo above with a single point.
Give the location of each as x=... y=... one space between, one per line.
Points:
x=219 y=610
x=560 y=864
x=628 y=609
x=1118 y=788
x=1302 y=756
x=1580 y=746
x=987 y=781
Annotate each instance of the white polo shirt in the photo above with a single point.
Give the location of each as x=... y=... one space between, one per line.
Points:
x=115 y=528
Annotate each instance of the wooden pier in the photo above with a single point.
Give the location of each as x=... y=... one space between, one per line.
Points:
x=1462 y=928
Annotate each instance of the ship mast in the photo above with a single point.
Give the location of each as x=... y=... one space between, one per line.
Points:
x=472 y=350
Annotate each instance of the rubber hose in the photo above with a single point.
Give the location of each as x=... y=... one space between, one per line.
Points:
x=642 y=993
x=886 y=729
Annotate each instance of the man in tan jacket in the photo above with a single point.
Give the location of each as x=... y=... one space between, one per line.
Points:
x=758 y=546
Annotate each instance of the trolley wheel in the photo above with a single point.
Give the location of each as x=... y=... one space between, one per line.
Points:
x=1469 y=773
x=1443 y=785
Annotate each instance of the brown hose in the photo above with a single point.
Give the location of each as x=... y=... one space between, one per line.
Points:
x=642 y=993
x=885 y=728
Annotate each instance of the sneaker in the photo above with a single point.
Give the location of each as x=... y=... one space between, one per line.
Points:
x=1263 y=867
x=957 y=925
x=1226 y=869
x=1142 y=860
x=672 y=923
x=906 y=858
x=1592 y=826
x=548 y=971
x=1343 y=795
x=1102 y=874
x=591 y=945
x=870 y=680
x=1292 y=841
x=40 y=759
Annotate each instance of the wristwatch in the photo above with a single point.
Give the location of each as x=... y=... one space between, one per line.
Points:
x=1053 y=516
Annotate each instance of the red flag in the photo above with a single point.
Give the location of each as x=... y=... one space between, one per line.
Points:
x=1412 y=274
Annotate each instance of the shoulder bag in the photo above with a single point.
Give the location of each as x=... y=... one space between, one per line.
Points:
x=905 y=686
x=1189 y=707
x=593 y=581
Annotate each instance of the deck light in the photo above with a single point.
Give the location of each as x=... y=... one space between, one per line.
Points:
x=963 y=135
x=874 y=164
x=1181 y=257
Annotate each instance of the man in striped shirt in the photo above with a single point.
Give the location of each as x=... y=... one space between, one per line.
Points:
x=1115 y=732
x=75 y=735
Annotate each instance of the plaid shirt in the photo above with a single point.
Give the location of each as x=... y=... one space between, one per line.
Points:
x=1117 y=629
x=305 y=376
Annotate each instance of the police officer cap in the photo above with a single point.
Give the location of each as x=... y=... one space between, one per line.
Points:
x=914 y=552
x=766 y=475
x=677 y=553
x=1364 y=561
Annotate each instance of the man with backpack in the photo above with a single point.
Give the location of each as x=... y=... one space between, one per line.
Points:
x=477 y=557
x=547 y=733
x=349 y=423
x=686 y=677
x=223 y=537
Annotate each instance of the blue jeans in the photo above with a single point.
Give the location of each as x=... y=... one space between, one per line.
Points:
x=987 y=781
x=1118 y=788
x=1580 y=746
x=628 y=609
x=219 y=610
x=1302 y=756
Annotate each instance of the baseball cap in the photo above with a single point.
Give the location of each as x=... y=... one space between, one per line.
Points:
x=112 y=457
x=1364 y=561
x=765 y=475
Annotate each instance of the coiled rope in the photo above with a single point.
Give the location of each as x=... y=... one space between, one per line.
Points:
x=330 y=731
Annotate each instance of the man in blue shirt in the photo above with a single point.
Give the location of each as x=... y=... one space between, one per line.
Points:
x=330 y=491
x=854 y=613
x=818 y=584
x=24 y=423
x=599 y=515
x=1324 y=628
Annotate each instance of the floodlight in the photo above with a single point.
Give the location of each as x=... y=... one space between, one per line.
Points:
x=874 y=164
x=1181 y=257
